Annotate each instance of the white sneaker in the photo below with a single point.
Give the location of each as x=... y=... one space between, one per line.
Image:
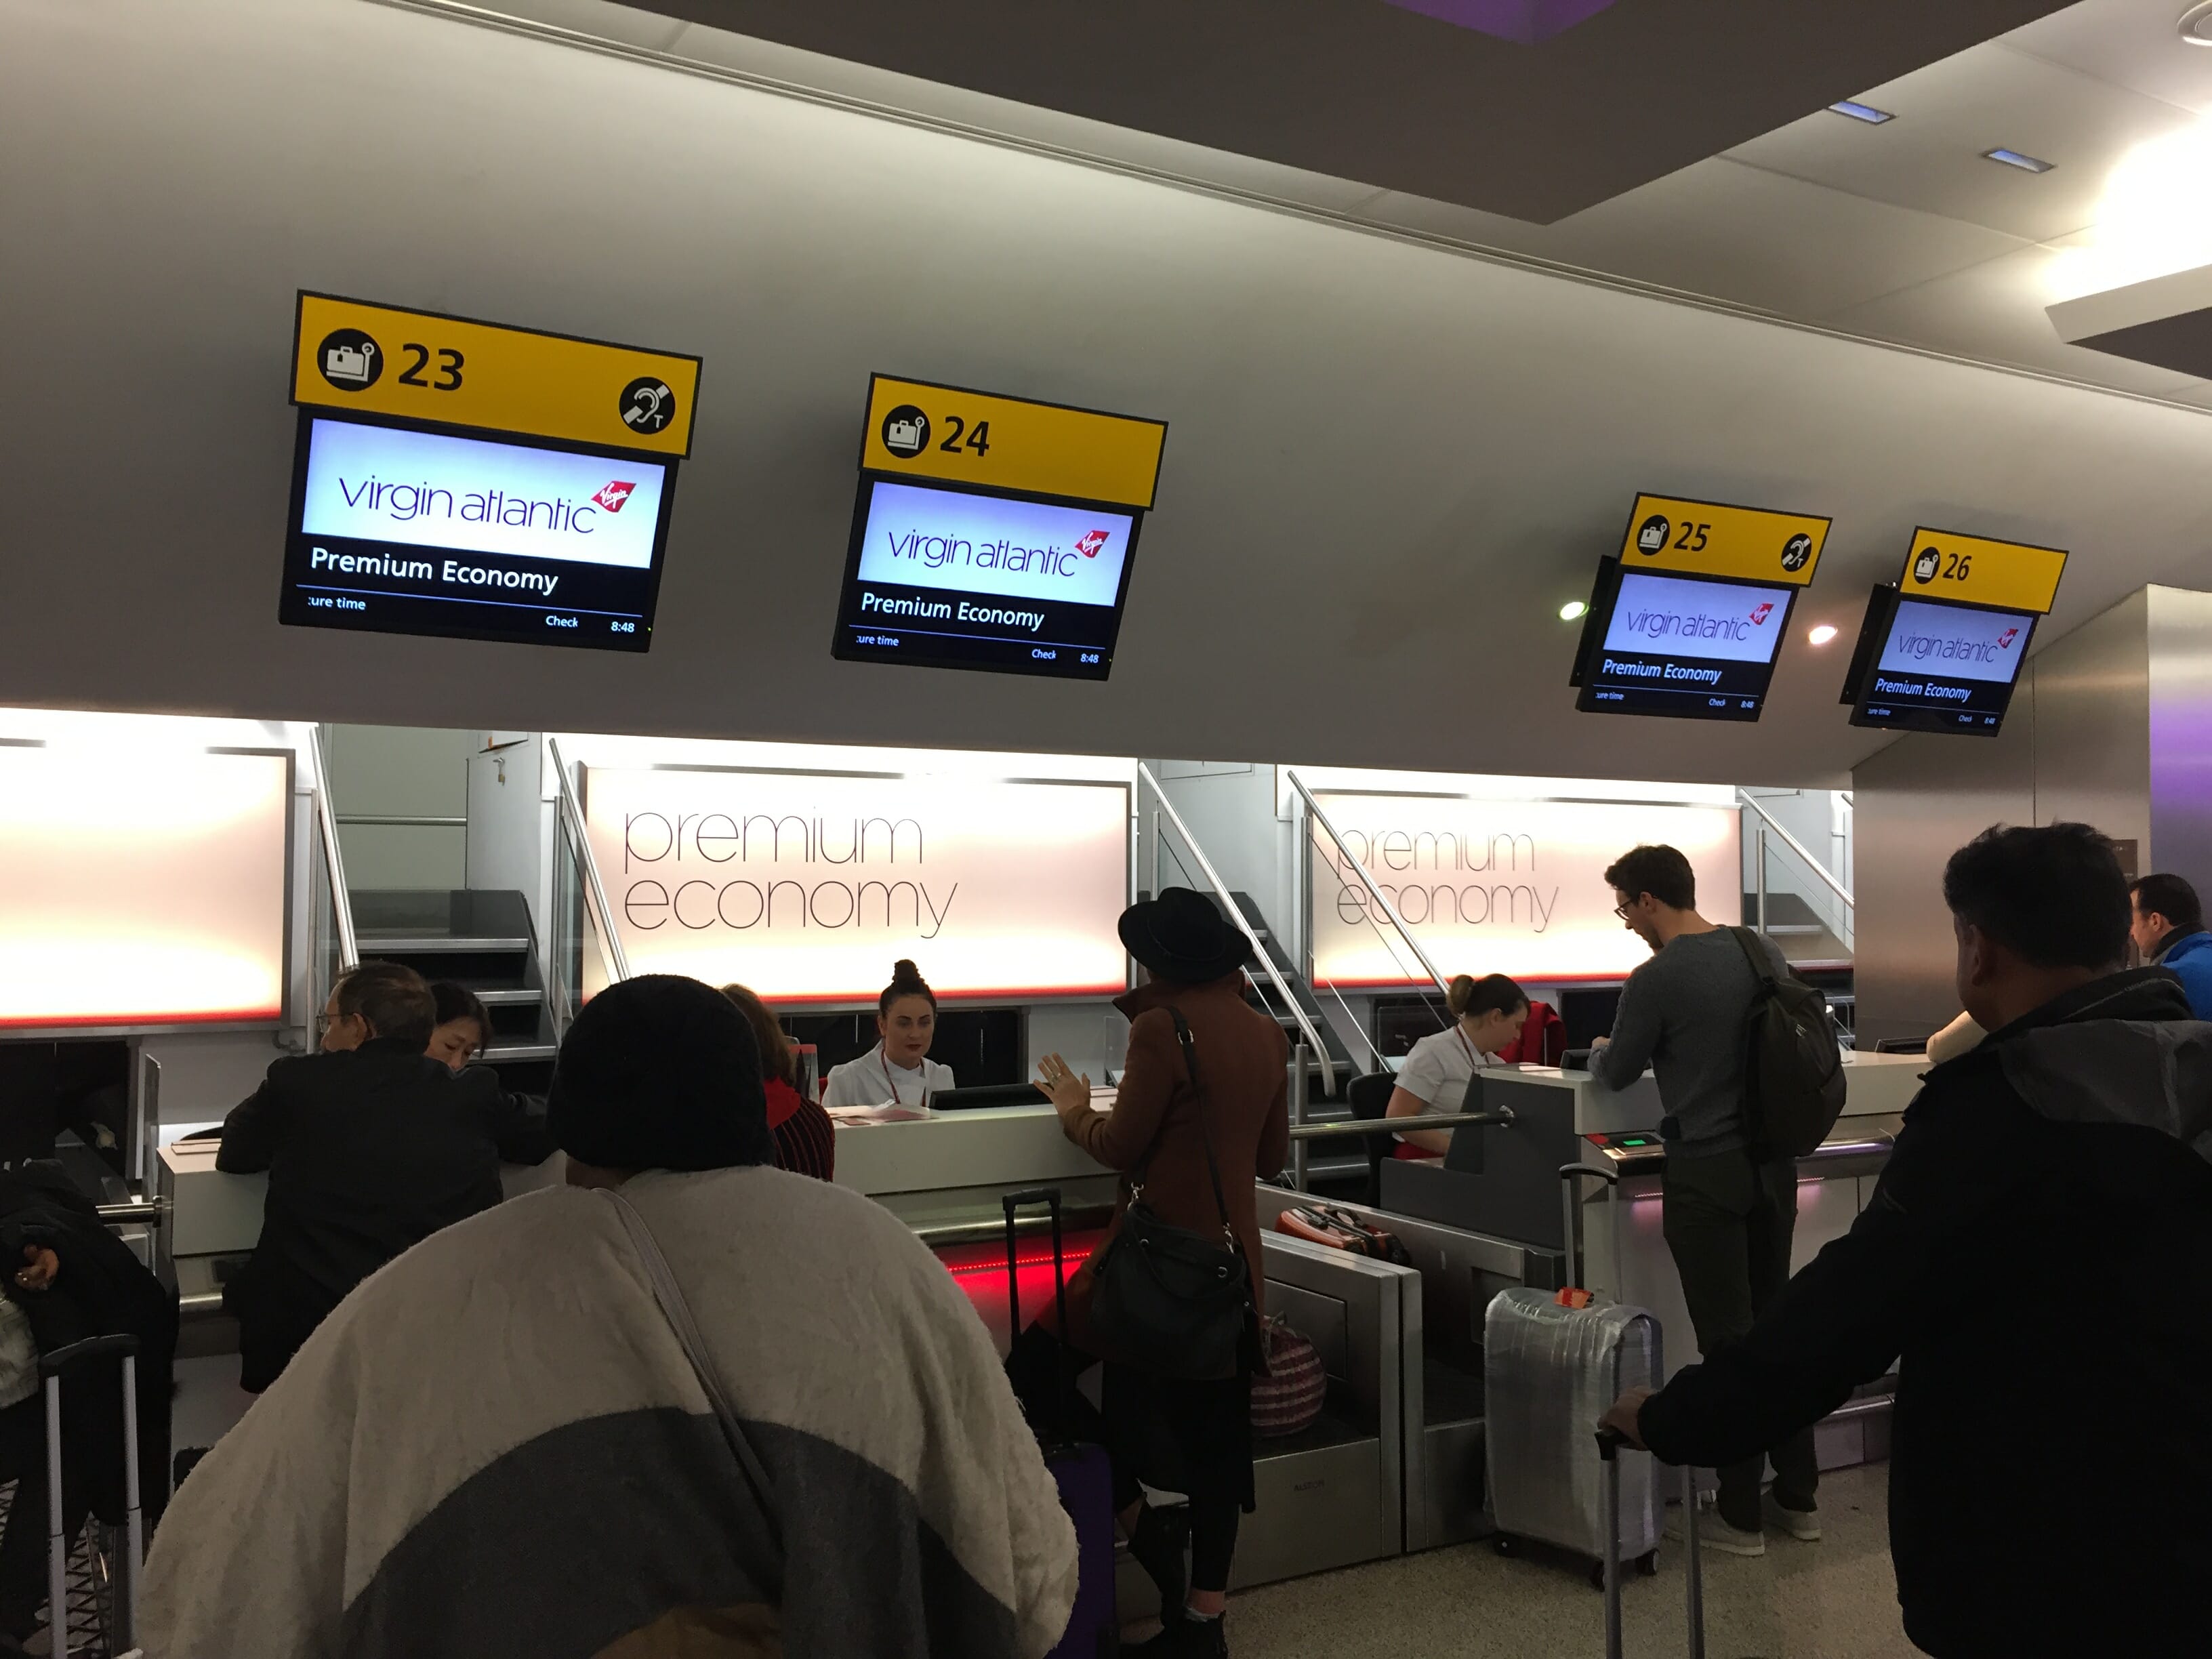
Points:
x=1803 y=1525
x=1713 y=1533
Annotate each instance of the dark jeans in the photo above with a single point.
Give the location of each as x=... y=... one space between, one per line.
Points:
x=23 y=1545
x=1728 y=1224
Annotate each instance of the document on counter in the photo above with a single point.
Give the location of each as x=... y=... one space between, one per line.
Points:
x=845 y=1116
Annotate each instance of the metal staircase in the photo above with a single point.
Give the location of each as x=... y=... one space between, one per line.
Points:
x=483 y=939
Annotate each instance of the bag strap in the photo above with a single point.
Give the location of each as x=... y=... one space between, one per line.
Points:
x=1212 y=1170
x=677 y=1312
x=1756 y=955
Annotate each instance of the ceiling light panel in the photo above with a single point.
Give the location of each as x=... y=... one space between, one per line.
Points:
x=2012 y=158
x=1866 y=113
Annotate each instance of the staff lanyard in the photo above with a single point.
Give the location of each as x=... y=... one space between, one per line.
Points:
x=883 y=1059
x=1473 y=1058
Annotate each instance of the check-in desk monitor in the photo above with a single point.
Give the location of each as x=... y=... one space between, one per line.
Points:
x=1936 y=667
x=1689 y=646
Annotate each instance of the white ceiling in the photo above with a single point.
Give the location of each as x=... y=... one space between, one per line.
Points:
x=1387 y=465
x=1902 y=233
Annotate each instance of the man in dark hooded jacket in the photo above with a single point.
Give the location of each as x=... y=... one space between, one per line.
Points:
x=2034 y=1255
x=73 y=1279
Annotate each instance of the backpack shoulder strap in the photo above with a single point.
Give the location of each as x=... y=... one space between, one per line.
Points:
x=1755 y=953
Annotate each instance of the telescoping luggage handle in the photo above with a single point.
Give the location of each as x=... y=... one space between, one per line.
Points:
x=56 y=1367
x=1049 y=1197
x=1571 y=1213
x=1609 y=1443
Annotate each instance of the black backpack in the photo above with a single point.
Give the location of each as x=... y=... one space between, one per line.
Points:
x=1793 y=1070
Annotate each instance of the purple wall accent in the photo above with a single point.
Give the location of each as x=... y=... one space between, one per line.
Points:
x=1528 y=21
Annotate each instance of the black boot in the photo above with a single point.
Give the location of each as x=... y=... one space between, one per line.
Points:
x=1158 y=1543
x=1184 y=1637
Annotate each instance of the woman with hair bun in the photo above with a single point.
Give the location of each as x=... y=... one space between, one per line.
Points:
x=1487 y=1015
x=897 y=1071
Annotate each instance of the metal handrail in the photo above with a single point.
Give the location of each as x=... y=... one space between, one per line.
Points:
x=595 y=895
x=1236 y=915
x=1391 y=1126
x=333 y=860
x=1313 y=810
x=1744 y=798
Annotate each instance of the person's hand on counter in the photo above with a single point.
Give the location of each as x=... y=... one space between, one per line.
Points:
x=39 y=1269
x=1068 y=1092
x=1623 y=1417
x=1597 y=1043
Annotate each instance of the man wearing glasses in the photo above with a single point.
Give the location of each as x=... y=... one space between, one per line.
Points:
x=371 y=1145
x=1730 y=1217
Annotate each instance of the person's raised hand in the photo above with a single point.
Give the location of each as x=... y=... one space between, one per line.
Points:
x=1623 y=1416
x=1067 y=1091
x=40 y=1267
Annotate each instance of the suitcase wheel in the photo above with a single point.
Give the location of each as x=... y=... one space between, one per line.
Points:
x=1648 y=1564
x=1506 y=1544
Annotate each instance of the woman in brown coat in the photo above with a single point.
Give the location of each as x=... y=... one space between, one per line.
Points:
x=1183 y=1436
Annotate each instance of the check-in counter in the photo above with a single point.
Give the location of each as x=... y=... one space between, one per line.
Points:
x=1502 y=1180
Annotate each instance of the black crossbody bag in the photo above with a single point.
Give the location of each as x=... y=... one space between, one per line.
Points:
x=1170 y=1300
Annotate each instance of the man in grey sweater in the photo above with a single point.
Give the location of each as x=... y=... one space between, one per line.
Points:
x=1728 y=1217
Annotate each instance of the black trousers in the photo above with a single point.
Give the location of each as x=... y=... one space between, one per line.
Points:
x=1191 y=1437
x=1728 y=1224
x=23 y=1544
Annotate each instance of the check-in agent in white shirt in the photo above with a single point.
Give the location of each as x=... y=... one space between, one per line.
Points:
x=897 y=1071
x=1487 y=1015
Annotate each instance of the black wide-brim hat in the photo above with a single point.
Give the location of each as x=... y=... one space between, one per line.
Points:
x=1182 y=935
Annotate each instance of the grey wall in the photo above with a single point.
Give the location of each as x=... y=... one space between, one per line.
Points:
x=402 y=772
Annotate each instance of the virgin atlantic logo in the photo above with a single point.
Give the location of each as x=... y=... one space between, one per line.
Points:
x=2005 y=638
x=1092 y=543
x=1760 y=612
x=614 y=495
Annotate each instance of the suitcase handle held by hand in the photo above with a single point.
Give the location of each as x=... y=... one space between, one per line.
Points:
x=1609 y=1443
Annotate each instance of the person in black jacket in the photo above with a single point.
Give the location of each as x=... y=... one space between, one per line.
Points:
x=2033 y=1254
x=73 y=1279
x=371 y=1146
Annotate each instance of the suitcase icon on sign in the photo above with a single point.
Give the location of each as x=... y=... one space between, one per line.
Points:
x=349 y=362
x=903 y=435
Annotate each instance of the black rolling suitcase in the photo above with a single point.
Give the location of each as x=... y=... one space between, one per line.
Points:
x=1080 y=1470
x=1693 y=1583
x=118 y=1614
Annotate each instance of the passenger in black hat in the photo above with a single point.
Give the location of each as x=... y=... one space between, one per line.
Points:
x=1172 y=1433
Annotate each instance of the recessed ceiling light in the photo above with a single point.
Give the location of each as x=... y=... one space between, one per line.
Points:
x=2012 y=158
x=2196 y=25
x=1822 y=635
x=1573 y=611
x=1874 y=117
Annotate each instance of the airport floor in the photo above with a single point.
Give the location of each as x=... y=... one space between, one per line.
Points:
x=1832 y=1599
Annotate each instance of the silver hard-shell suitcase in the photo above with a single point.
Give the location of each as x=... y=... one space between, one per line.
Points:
x=54 y=1369
x=1549 y=1373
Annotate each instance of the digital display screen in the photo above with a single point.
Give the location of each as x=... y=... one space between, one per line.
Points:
x=1941 y=667
x=1690 y=646
x=950 y=578
x=398 y=529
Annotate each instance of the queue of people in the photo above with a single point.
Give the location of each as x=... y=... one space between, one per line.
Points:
x=503 y=1425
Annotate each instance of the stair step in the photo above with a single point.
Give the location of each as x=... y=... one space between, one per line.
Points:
x=497 y=996
x=520 y=1051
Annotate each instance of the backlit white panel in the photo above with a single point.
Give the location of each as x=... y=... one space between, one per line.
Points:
x=808 y=887
x=142 y=886
x=1494 y=886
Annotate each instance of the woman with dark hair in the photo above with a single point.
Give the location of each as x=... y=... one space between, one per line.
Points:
x=1174 y=1124
x=897 y=1071
x=1487 y=1014
x=806 y=1139
x=463 y=1028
